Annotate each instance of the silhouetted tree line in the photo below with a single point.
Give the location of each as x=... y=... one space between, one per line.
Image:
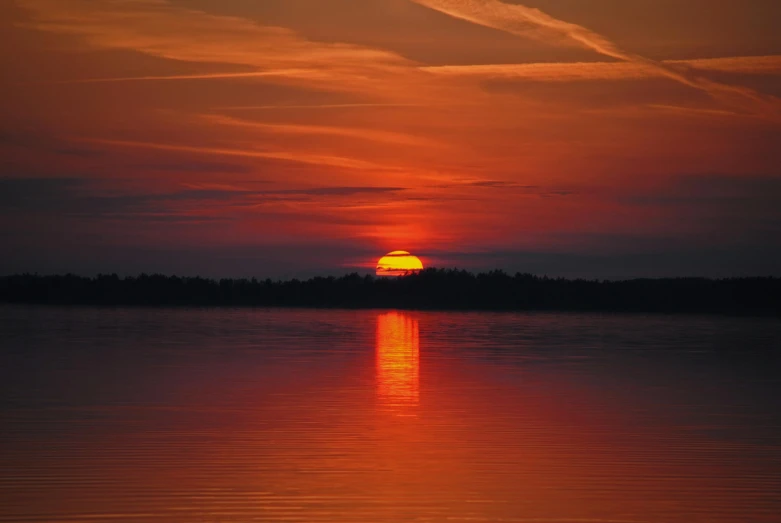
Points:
x=429 y=289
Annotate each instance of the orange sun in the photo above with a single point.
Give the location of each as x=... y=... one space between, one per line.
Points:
x=398 y=263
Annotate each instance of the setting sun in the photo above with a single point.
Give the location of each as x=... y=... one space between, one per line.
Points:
x=398 y=263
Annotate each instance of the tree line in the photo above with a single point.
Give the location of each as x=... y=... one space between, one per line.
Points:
x=428 y=289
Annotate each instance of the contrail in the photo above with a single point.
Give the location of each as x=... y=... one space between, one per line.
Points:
x=312 y=159
x=531 y=22
x=376 y=135
x=204 y=76
x=314 y=106
x=582 y=71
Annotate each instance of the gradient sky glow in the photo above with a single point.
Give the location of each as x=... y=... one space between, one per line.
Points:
x=279 y=138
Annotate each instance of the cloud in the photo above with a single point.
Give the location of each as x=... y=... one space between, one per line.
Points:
x=533 y=23
x=162 y=29
x=713 y=209
x=90 y=198
x=314 y=106
x=306 y=158
x=485 y=184
x=159 y=28
x=17 y=193
x=747 y=193
x=327 y=130
x=195 y=166
x=501 y=184
x=591 y=71
x=289 y=73
x=506 y=187
x=338 y=191
x=43 y=141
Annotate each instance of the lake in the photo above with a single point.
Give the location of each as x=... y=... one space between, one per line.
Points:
x=221 y=415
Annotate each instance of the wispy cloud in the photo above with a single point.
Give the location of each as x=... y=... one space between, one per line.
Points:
x=589 y=71
x=287 y=73
x=161 y=29
x=338 y=191
x=530 y=22
x=315 y=106
x=376 y=135
x=536 y=71
x=86 y=197
x=504 y=187
x=300 y=157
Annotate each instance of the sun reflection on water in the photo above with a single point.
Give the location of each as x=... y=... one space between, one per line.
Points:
x=398 y=360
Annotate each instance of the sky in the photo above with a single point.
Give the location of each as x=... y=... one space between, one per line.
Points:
x=291 y=138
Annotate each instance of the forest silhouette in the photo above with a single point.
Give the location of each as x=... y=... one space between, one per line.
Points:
x=429 y=289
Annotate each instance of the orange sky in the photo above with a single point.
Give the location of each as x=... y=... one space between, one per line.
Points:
x=608 y=138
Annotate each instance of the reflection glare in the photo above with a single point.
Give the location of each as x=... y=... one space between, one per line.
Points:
x=398 y=359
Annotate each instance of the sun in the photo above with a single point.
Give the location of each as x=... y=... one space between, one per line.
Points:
x=398 y=263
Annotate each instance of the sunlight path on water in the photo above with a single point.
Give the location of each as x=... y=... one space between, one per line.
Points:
x=326 y=416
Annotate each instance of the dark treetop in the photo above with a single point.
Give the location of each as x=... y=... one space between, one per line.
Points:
x=429 y=289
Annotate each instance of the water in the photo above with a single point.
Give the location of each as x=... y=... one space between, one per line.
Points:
x=381 y=416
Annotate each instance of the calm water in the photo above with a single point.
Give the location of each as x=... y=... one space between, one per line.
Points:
x=378 y=416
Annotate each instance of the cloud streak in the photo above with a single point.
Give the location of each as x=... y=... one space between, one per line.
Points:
x=280 y=73
x=91 y=198
x=162 y=29
x=538 y=71
x=375 y=135
x=590 y=71
x=530 y=22
x=158 y=28
x=311 y=159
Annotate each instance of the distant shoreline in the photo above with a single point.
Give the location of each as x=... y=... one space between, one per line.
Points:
x=431 y=289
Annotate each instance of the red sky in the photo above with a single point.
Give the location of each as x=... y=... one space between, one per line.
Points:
x=609 y=138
